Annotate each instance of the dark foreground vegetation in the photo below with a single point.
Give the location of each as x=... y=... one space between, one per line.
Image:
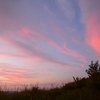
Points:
x=80 y=89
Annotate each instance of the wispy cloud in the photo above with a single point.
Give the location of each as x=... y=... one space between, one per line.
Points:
x=73 y=53
x=90 y=17
x=40 y=36
x=32 y=53
x=8 y=72
x=93 y=33
x=67 y=8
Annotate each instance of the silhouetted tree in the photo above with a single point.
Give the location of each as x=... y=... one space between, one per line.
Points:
x=94 y=69
x=94 y=73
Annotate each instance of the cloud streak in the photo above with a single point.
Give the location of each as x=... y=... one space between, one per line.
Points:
x=9 y=73
x=33 y=50
x=32 y=53
x=91 y=14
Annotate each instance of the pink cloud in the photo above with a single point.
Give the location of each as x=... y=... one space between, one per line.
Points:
x=93 y=32
x=37 y=55
x=24 y=32
x=27 y=54
x=91 y=19
x=47 y=40
x=66 y=50
x=31 y=55
x=9 y=55
x=73 y=53
x=7 y=73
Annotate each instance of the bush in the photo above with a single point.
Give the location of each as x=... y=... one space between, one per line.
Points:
x=94 y=74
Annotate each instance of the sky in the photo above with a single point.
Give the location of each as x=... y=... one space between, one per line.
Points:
x=47 y=41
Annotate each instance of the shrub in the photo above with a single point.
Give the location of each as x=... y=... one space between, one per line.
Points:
x=94 y=74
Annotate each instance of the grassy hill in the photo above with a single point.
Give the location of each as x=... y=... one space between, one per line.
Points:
x=78 y=90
